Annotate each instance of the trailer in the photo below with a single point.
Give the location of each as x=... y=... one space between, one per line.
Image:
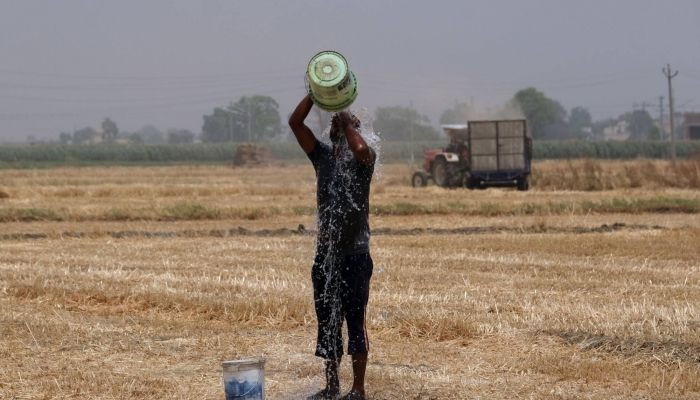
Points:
x=481 y=154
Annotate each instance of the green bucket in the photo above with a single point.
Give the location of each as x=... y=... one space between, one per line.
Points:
x=330 y=83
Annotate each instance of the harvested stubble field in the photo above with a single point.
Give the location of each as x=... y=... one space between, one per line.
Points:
x=127 y=282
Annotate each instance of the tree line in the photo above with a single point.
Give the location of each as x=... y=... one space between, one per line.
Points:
x=257 y=119
x=111 y=134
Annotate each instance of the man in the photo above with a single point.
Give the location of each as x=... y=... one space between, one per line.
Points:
x=342 y=265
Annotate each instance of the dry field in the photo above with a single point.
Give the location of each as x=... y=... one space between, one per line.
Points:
x=135 y=283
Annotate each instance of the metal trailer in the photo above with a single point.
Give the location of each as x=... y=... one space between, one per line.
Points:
x=500 y=154
x=480 y=154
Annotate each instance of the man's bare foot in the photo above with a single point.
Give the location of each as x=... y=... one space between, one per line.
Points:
x=324 y=394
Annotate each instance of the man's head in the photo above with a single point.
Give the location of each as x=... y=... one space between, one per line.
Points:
x=339 y=122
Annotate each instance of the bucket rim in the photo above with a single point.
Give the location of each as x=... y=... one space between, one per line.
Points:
x=244 y=363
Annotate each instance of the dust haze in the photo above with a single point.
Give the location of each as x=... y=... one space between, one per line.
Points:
x=69 y=65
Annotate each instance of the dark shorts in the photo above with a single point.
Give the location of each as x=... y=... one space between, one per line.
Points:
x=341 y=293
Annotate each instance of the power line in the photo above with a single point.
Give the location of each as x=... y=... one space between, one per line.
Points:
x=257 y=88
x=142 y=78
x=144 y=86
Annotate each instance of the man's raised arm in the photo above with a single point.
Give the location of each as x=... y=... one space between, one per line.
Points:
x=303 y=133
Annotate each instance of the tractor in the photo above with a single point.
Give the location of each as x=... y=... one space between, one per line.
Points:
x=480 y=154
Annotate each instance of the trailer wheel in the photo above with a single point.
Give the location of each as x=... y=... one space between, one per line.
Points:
x=440 y=172
x=471 y=183
x=419 y=179
x=523 y=183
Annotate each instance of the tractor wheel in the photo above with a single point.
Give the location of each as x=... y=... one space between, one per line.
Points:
x=440 y=172
x=523 y=183
x=471 y=183
x=419 y=179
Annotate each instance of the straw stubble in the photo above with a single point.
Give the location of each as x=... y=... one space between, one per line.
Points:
x=533 y=306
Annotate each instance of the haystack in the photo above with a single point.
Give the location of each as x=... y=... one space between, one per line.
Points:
x=253 y=155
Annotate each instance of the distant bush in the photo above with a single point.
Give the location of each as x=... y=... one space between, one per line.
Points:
x=391 y=152
x=118 y=153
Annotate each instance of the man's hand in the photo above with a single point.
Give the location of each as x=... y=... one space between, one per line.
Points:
x=346 y=119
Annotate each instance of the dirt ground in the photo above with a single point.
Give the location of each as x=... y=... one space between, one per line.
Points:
x=552 y=305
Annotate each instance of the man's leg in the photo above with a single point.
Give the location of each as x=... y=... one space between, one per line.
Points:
x=357 y=272
x=359 y=365
x=328 y=305
x=333 y=378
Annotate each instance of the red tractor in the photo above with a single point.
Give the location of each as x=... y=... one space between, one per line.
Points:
x=446 y=167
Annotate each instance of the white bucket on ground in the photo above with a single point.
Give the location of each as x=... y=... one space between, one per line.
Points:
x=244 y=379
x=331 y=84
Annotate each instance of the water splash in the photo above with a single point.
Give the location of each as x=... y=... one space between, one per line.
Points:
x=338 y=220
x=366 y=131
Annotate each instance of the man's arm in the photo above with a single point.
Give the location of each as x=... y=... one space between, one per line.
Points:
x=357 y=144
x=303 y=133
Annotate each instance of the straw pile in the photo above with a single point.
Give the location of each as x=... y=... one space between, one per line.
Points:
x=252 y=155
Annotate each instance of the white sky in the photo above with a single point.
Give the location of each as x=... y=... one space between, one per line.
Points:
x=68 y=64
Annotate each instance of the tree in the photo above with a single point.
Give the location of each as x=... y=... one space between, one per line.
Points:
x=599 y=127
x=84 y=135
x=178 y=136
x=580 y=122
x=640 y=123
x=580 y=117
x=403 y=123
x=559 y=128
x=457 y=115
x=254 y=118
x=149 y=134
x=135 y=138
x=541 y=111
x=257 y=118
x=654 y=133
x=65 y=138
x=216 y=127
x=109 y=130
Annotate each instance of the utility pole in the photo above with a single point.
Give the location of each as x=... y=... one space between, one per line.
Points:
x=661 y=117
x=669 y=76
x=248 y=112
x=229 y=110
x=412 y=144
x=230 y=114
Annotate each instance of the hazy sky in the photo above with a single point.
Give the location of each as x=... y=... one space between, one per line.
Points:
x=68 y=64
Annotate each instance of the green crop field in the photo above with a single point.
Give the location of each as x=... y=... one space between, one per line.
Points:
x=217 y=153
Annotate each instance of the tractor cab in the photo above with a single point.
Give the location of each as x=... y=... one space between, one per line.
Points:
x=446 y=167
x=459 y=142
